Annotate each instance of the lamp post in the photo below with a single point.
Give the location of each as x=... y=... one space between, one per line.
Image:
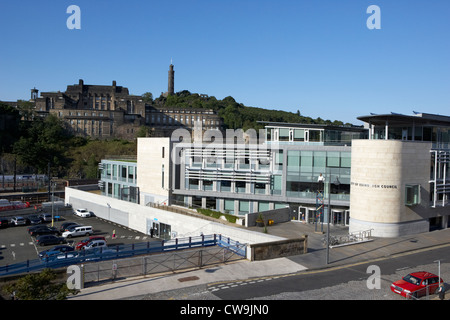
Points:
x=109 y=211
x=53 y=200
x=328 y=218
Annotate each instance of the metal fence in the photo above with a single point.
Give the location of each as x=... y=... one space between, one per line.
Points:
x=126 y=251
x=156 y=264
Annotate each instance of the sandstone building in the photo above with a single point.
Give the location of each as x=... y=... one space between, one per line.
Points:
x=110 y=111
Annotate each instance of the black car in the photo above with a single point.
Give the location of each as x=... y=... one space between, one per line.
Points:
x=49 y=239
x=32 y=228
x=43 y=230
x=4 y=223
x=65 y=226
x=33 y=219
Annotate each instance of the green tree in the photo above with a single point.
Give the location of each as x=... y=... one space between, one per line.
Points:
x=44 y=141
x=9 y=127
x=147 y=97
x=39 y=286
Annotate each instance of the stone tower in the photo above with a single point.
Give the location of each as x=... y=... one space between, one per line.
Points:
x=34 y=94
x=170 y=90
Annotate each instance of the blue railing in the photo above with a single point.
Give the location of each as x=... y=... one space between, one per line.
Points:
x=123 y=251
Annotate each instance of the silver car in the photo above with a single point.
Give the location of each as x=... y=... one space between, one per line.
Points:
x=18 y=221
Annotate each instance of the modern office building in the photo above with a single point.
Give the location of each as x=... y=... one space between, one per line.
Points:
x=247 y=176
x=400 y=181
x=119 y=178
x=390 y=177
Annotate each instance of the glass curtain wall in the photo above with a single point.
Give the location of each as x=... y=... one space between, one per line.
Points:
x=304 y=168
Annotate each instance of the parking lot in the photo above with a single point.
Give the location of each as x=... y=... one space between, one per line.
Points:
x=16 y=245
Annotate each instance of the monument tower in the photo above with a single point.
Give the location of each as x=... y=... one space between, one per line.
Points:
x=170 y=90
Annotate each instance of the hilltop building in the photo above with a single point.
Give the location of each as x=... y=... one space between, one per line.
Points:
x=110 y=111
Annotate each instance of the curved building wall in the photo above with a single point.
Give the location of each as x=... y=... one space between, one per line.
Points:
x=380 y=170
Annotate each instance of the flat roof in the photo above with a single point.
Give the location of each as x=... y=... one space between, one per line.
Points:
x=313 y=126
x=401 y=119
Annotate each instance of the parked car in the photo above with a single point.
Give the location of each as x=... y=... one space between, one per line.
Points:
x=95 y=244
x=76 y=231
x=33 y=219
x=18 y=221
x=65 y=226
x=63 y=248
x=4 y=223
x=49 y=239
x=80 y=245
x=416 y=284
x=45 y=217
x=43 y=230
x=84 y=213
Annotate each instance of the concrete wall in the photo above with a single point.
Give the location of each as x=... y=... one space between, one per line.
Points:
x=380 y=170
x=277 y=215
x=277 y=249
x=152 y=155
x=139 y=218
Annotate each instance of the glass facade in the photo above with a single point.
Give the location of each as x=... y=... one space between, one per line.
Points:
x=119 y=180
x=304 y=168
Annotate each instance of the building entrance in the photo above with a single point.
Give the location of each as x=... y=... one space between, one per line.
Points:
x=159 y=230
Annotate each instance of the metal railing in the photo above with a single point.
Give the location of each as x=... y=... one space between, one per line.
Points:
x=156 y=264
x=124 y=251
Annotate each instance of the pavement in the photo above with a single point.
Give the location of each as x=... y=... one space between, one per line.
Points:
x=378 y=248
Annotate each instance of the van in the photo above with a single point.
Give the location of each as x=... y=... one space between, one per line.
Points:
x=77 y=231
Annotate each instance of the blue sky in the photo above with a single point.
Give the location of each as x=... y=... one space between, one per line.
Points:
x=316 y=56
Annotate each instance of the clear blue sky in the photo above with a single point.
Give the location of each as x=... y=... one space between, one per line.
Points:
x=316 y=56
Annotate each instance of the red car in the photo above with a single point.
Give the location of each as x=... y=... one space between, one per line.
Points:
x=84 y=242
x=417 y=284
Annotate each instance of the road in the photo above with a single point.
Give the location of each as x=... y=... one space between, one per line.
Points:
x=338 y=283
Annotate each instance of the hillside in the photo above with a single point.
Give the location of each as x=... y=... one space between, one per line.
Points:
x=235 y=115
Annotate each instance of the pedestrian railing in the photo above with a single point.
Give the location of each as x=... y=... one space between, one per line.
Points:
x=124 y=251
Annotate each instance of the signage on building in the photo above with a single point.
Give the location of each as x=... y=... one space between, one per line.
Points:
x=376 y=186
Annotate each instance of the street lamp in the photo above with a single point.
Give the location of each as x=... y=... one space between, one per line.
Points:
x=328 y=218
x=53 y=199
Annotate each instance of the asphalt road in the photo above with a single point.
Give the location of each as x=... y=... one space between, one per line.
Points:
x=16 y=245
x=338 y=283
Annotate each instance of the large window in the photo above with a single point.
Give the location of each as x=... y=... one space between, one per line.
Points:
x=412 y=195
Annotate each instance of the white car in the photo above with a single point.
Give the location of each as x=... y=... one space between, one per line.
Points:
x=82 y=213
x=18 y=221
x=76 y=231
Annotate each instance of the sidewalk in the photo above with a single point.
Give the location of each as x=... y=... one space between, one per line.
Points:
x=242 y=270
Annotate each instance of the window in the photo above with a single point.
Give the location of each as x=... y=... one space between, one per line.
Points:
x=162 y=175
x=229 y=206
x=412 y=195
x=299 y=135
x=283 y=134
x=333 y=159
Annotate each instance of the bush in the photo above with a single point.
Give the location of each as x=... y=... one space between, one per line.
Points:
x=215 y=214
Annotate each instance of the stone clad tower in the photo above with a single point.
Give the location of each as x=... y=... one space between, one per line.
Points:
x=171 y=87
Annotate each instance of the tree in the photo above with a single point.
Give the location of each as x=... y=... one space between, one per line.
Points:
x=39 y=286
x=44 y=141
x=147 y=97
x=9 y=127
